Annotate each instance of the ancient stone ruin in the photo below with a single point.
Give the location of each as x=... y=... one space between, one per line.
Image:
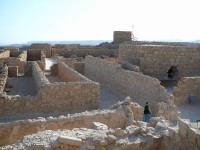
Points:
x=72 y=96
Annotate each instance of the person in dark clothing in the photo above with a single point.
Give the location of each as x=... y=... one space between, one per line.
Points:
x=147 y=112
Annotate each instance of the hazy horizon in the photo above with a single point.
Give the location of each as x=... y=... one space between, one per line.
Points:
x=78 y=20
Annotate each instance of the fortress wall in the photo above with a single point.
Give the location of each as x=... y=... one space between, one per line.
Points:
x=128 y=83
x=11 y=132
x=156 y=60
x=188 y=86
x=5 y=54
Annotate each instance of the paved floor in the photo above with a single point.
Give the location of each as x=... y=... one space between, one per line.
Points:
x=108 y=97
x=22 y=85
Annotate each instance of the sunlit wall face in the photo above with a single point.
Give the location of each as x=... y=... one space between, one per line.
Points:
x=46 y=20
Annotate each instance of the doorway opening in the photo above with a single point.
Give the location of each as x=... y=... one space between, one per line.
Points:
x=173 y=72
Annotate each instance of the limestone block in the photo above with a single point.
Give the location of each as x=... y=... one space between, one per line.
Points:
x=133 y=130
x=119 y=132
x=70 y=140
x=111 y=139
x=99 y=126
x=192 y=137
x=183 y=127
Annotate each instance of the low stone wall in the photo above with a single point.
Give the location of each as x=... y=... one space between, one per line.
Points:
x=5 y=54
x=51 y=97
x=79 y=67
x=23 y=56
x=38 y=76
x=156 y=60
x=15 y=53
x=3 y=77
x=34 y=54
x=184 y=138
x=128 y=83
x=13 y=71
x=43 y=46
x=67 y=74
x=12 y=61
x=188 y=86
x=83 y=51
x=68 y=61
x=11 y=132
x=16 y=58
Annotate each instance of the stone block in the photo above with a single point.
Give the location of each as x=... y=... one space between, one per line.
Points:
x=99 y=126
x=70 y=140
x=183 y=127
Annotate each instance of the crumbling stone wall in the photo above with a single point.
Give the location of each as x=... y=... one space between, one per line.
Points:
x=11 y=132
x=62 y=96
x=156 y=60
x=122 y=36
x=5 y=54
x=68 y=61
x=188 y=86
x=42 y=46
x=38 y=76
x=129 y=83
x=82 y=51
x=14 y=58
x=3 y=77
x=67 y=74
x=34 y=55
x=12 y=71
x=184 y=138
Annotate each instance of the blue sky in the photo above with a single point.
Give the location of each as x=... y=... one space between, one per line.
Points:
x=44 y=20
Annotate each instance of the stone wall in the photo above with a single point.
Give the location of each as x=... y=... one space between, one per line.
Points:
x=3 y=77
x=184 y=138
x=17 y=58
x=5 y=54
x=11 y=132
x=82 y=51
x=122 y=36
x=34 y=55
x=68 y=61
x=15 y=53
x=12 y=71
x=38 y=76
x=79 y=67
x=188 y=86
x=156 y=60
x=42 y=46
x=67 y=74
x=51 y=97
x=128 y=83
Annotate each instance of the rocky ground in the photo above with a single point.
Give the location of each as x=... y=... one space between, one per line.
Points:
x=140 y=135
